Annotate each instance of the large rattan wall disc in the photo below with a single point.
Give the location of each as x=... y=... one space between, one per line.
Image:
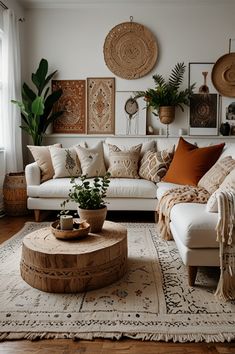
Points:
x=223 y=75
x=130 y=50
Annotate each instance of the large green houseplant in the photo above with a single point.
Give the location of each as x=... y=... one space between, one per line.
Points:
x=37 y=105
x=167 y=93
x=90 y=195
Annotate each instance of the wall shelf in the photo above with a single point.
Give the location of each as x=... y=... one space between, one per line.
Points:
x=88 y=136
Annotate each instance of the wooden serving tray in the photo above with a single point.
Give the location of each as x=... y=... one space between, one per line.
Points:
x=82 y=231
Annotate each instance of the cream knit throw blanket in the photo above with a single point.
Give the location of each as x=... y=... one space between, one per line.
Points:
x=226 y=238
x=184 y=194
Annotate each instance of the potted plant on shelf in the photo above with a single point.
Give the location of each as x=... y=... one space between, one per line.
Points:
x=167 y=94
x=90 y=197
x=37 y=106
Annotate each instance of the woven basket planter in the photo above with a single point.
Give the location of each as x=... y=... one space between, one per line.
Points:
x=15 y=194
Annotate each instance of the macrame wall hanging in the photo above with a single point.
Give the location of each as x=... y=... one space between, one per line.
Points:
x=130 y=50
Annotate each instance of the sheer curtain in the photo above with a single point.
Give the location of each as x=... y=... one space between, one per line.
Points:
x=11 y=89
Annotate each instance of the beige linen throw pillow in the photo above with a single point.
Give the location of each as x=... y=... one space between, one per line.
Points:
x=42 y=156
x=65 y=162
x=92 y=160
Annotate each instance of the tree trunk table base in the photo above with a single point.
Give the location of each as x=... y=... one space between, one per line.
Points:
x=59 y=266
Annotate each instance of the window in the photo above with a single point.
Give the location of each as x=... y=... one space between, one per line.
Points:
x=1 y=116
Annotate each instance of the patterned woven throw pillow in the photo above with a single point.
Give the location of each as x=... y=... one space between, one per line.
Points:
x=216 y=174
x=124 y=163
x=227 y=185
x=153 y=165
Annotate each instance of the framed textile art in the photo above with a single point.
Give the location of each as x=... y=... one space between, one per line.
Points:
x=130 y=114
x=204 y=114
x=204 y=104
x=100 y=105
x=72 y=102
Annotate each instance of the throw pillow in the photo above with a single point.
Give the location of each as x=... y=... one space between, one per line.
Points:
x=65 y=162
x=190 y=162
x=42 y=156
x=124 y=163
x=227 y=184
x=92 y=160
x=215 y=176
x=146 y=146
x=154 y=165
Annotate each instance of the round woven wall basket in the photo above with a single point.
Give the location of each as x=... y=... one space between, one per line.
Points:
x=14 y=194
x=223 y=75
x=130 y=50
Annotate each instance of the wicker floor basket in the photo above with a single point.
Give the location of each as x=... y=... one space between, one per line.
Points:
x=14 y=194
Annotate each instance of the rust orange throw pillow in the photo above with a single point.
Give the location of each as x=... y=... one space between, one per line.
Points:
x=190 y=162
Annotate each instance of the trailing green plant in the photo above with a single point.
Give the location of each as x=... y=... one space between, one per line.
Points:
x=37 y=105
x=167 y=92
x=89 y=194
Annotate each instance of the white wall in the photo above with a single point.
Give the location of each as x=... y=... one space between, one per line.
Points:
x=72 y=39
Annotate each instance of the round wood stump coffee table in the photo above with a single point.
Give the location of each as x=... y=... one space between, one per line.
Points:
x=60 y=266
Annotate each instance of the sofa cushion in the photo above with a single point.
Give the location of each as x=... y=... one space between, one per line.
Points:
x=65 y=162
x=227 y=184
x=190 y=163
x=92 y=160
x=124 y=163
x=42 y=156
x=216 y=174
x=163 y=187
x=153 y=165
x=126 y=144
x=194 y=225
x=118 y=188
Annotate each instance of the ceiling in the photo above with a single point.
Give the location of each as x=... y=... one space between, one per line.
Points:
x=77 y=3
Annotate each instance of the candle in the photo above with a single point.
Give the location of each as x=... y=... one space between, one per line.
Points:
x=66 y=222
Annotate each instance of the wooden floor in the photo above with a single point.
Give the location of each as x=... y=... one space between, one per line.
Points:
x=8 y=227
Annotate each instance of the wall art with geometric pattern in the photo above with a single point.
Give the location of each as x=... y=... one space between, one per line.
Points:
x=72 y=102
x=101 y=105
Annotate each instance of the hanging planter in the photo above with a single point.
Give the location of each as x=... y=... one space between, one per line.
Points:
x=166 y=94
x=167 y=114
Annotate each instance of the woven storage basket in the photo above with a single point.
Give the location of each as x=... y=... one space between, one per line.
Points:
x=14 y=194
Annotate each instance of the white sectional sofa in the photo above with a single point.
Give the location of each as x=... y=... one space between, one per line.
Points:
x=192 y=227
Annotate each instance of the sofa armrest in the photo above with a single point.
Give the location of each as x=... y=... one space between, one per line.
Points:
x=32 y=174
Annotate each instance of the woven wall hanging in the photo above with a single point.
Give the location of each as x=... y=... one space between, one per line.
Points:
x=130 y=50
x=223 y=73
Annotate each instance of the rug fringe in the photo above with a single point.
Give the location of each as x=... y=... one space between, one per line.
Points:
x=166 y=337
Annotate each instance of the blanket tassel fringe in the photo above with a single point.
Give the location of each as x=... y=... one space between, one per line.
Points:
x=166 y=337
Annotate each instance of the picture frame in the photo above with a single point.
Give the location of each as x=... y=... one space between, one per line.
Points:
x=125 y=123
x=101 y=105
x=204 y=108
x=227 y=110
x=203 y=113
x=73 y=103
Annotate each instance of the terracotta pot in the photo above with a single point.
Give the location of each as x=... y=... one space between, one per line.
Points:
x=167 y=114
x=94 y=217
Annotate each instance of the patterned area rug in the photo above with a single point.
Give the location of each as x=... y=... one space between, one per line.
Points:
x=151 y=302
